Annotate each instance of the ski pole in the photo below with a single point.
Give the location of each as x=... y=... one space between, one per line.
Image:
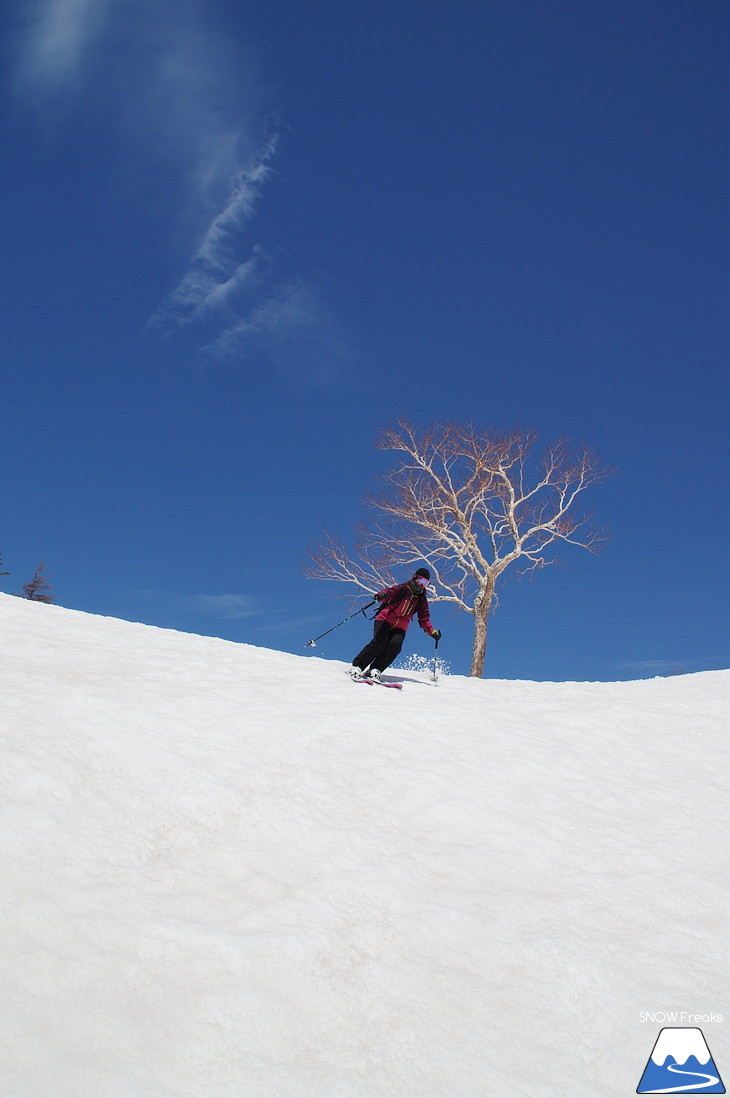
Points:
x=435 y=650
x=312 y=643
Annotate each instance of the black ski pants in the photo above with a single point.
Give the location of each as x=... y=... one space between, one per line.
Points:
x=382 y=649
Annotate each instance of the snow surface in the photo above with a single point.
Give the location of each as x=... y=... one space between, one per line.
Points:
x=229 y=872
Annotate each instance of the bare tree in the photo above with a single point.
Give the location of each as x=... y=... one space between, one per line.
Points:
x=471 y=503
x=1 y=564
x=39 y=589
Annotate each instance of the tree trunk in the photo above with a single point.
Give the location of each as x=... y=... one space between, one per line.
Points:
x=481 y=612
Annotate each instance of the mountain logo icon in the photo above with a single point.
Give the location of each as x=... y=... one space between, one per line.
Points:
x=680 y=1063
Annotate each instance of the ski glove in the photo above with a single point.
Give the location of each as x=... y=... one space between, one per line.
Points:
x=436 y=634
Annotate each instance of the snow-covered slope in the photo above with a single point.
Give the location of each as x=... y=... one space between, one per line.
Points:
x=228 y=871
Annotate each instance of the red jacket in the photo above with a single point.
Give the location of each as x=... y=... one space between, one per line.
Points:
x=399 y=606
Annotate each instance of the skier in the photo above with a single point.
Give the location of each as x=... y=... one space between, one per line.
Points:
x=398 y=605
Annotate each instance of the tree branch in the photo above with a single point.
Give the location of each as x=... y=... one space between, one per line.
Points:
x=470 y=503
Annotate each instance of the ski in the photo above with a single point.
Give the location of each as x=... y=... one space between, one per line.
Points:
x=387 y=685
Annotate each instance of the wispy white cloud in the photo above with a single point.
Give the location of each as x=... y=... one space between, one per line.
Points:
x=290 y=326
x=664 y=667
x=287 y=624
x=191 y=103
x=220 y=279
x=168 y=83
x=222 y=607
x=238 y=304
x=52 y=53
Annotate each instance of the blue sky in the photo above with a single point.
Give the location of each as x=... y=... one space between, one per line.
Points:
x=240 y=239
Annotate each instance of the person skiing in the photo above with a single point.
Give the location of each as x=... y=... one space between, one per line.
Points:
x=397 y=606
